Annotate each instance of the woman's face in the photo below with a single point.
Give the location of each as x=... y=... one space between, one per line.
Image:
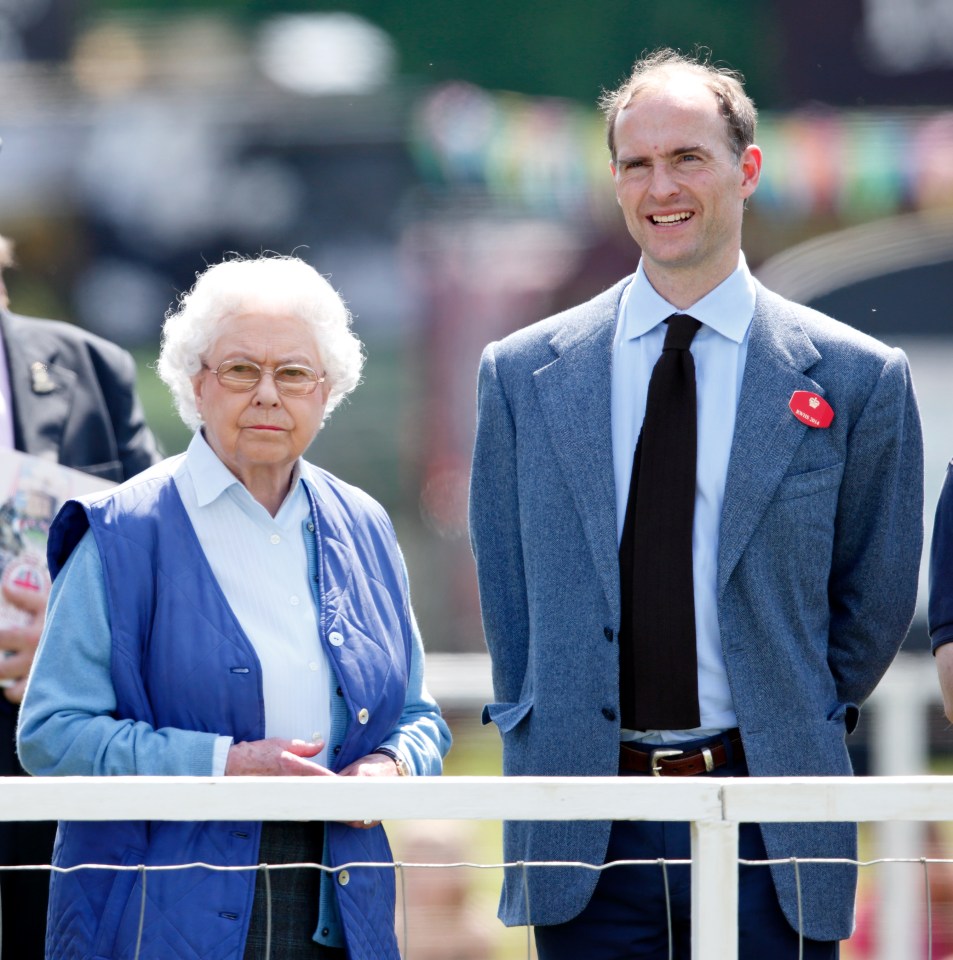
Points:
x=262 y=431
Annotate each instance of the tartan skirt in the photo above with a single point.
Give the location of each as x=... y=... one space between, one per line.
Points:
x=293 y=896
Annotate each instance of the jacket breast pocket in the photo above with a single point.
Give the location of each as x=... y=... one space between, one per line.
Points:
x=808 y=484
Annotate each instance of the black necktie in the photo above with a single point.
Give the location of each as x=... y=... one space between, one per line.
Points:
x=658 y=661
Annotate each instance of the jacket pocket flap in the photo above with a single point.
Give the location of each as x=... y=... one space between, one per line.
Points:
x=506 y=715
x=846 y=713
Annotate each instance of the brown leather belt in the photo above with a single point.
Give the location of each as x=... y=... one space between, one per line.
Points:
x=665 y=761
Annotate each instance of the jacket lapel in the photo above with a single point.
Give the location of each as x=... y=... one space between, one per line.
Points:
x=767 y=434
x=41 y=391
x=574 y=396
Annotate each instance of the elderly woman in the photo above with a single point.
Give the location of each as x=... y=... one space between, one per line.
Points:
x=233 y=610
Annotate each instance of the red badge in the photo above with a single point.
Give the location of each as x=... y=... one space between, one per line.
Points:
x=811 y=409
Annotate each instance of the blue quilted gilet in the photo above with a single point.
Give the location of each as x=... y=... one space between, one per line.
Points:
x=180 y=659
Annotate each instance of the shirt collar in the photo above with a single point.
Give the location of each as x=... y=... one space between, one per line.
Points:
x=727 y=309
x=211 y=478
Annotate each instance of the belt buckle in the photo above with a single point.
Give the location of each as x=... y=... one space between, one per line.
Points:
x=661 y=754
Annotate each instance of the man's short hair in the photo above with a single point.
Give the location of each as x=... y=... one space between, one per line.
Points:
x=727 y=85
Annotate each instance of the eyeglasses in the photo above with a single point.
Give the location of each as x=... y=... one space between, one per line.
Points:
x=291 y=379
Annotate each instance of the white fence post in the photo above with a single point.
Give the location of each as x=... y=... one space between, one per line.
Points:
x=899 y=746
x=714 y=890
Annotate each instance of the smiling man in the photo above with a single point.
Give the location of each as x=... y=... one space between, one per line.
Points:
x=696 y=510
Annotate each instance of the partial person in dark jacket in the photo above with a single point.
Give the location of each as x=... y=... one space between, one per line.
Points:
x=66 y=396
x=234 y=611
x=940 y=611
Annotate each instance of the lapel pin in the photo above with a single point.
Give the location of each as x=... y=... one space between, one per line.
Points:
x=811 y=409
x=41 y=378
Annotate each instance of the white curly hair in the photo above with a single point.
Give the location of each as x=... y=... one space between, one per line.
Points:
x=276 y=283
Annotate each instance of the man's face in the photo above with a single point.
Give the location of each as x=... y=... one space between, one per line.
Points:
x=680 y=186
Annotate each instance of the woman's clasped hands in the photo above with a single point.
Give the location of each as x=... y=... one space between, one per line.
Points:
x=278 y=757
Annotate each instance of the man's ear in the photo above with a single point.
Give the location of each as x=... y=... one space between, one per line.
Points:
x=750 y=170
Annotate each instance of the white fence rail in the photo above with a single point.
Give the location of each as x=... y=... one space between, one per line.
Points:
x=899 y=800
x=715 y=808
x=896 y=724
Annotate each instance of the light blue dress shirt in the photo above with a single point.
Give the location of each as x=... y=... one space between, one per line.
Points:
x=719 y=350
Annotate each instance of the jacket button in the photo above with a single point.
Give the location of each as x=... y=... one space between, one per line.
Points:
x=608 y=713
x=608 y=633
x=335 y=638
x=344 y=878
x=325 y=931
x=363 y=716
x=337 y=749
